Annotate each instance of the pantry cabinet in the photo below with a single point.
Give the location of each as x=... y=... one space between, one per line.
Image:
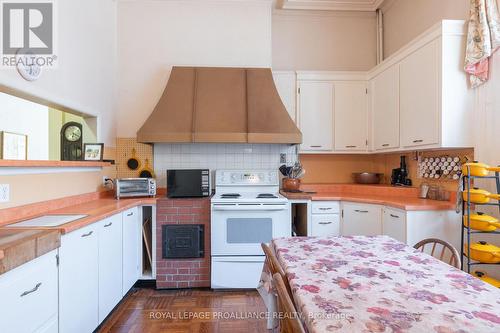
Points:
x=361 y=219
x=316 y=115
x=385 y=109
x=110 y=264
x=79 y=280
x=419 y=97
x=131 y=248
x=28 y=301
x=350 y=116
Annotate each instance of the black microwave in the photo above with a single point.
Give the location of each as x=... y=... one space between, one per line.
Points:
x=186 y=183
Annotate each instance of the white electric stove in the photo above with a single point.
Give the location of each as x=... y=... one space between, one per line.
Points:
x=247 y=210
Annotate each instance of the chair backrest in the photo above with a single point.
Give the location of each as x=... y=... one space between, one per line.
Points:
x=275 y=266
x=453 y=258
x=289 y=317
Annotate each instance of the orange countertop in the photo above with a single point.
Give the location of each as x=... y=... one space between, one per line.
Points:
x=95 y=210
x=402 y=198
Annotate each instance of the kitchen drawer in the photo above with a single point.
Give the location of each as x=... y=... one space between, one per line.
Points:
x=326 y=225
x=28 y=301
x=325 y=207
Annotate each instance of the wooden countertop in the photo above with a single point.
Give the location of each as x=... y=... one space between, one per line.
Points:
x=401 y=198
x=19 y=246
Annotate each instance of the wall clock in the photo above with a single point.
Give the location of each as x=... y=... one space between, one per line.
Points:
x=27 y=67
x=71 y=142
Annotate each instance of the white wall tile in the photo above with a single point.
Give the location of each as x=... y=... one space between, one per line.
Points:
x=218 y=156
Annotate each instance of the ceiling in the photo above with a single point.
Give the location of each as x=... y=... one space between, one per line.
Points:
x=347 y=5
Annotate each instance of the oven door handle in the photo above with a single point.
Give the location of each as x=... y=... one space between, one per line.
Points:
x=249 y=207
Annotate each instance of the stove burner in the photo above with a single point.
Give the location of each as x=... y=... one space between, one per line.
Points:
x=230 y=195
x=266 y=196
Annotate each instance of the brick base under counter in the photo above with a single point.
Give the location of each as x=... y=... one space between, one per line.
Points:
x=182 y=273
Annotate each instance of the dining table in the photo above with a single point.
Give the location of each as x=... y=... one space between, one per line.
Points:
x=378 y=284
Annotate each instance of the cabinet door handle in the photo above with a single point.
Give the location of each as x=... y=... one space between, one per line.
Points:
x=315 y=146
x=325 y=222
x=130 y=214
x=395 y=216
x=350 y=146
x=35 y=288
x=325 y=208
x=88 y=234
x=108 y=225
x=385 y=145
x=418 y=141
x=361 y=211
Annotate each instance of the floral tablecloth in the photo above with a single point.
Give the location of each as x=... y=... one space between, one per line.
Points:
x=377 y=284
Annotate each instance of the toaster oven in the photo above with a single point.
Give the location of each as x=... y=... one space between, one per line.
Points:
x=135 y=187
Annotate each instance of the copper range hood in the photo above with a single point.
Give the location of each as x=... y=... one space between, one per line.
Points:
x=220 y=104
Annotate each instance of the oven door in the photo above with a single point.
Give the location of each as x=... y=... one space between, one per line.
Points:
x=239 y=229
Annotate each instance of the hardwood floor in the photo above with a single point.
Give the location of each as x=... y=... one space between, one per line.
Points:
x=190 y=310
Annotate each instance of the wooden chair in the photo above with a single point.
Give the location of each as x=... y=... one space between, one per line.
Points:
x=454 y=259
x=289 y=317
x=275 y=267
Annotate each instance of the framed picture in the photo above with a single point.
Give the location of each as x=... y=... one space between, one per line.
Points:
x=93 y=151
x=13 y=146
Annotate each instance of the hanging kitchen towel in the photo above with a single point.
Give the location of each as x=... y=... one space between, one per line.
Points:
x=482 y=40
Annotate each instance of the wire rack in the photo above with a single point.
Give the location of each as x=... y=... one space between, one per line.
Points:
x=467 y=207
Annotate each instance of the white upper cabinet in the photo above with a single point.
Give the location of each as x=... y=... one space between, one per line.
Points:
x=350 y=116
x=316 y=115
x=435 y=103
x=419 y=97
x=286 y=82
x=385 y=108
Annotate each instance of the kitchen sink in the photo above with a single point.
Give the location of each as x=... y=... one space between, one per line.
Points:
x=47 y=221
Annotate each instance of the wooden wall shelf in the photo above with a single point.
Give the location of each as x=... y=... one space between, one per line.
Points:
x=52 y=164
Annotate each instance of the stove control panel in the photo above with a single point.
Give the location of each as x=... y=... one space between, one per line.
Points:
x=246 y=177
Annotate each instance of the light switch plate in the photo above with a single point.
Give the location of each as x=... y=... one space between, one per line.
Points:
x=282 y=158
x=4 y=193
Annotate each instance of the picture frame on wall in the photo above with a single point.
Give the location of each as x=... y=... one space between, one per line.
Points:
x=93 y=151
x=13 y=146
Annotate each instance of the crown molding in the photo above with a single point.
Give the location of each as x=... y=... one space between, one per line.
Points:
x=334 y=5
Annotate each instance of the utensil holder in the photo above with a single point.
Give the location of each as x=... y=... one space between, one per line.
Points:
x=291 y=184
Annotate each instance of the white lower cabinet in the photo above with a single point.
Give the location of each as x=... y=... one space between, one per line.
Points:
x=79 y=280
x=325 y=225
x=28 y=296
x=110 y=264
x=361 y=219
x=394 y=223
x=131 y=248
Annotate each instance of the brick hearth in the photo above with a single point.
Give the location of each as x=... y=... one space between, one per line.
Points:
x=182 y=273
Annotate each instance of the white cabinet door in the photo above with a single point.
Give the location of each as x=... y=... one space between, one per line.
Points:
x=131 y=248
x=361 y=219
x=28 y=296
x=385 y=106
x=110 y=264
x=350 y=116
x=419 y=97
x=285 y=83
x=79 y=281
x=394 y=223
x=316 y=115
x=325 y=225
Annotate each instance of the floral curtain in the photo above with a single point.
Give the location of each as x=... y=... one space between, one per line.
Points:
x=483 y=39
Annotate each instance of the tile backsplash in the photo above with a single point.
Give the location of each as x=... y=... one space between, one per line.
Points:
x=215 y=156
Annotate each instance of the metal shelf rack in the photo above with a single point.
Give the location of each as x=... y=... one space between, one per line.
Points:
x=466 y=209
